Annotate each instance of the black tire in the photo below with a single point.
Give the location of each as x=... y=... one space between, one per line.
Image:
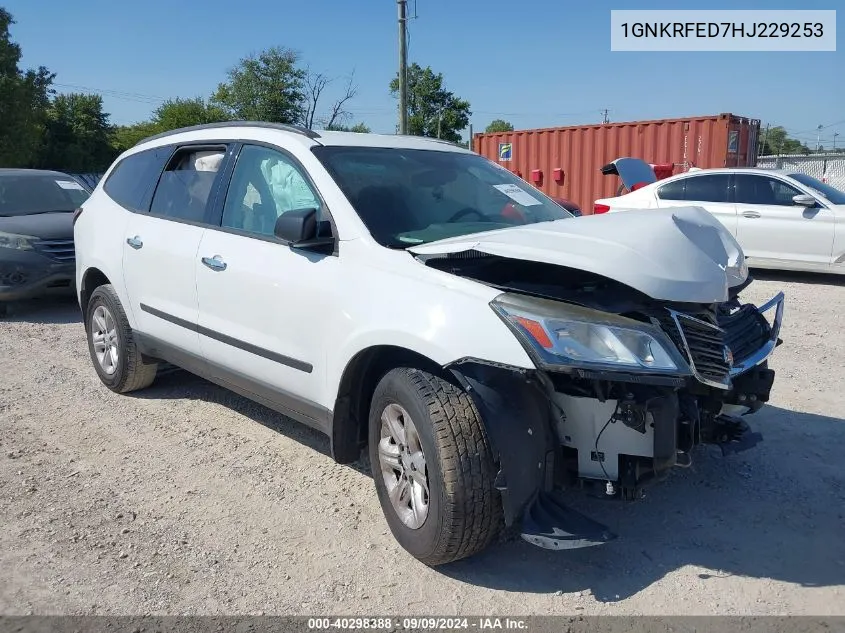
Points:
x=131 y=372
x=4 y=308
x=465 y=510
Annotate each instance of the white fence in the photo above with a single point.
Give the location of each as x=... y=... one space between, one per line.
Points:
x=829 y=168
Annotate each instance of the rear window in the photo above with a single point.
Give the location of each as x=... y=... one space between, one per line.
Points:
x=30 y=194
x=132 y=181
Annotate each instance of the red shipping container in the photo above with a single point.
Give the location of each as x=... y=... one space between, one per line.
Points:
x=723 y=140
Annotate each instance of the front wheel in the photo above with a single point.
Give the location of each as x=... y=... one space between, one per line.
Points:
x=111 y=343
x=433 y=467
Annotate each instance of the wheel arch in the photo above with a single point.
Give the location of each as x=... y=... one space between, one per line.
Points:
x=91 y=280
x=357 y=384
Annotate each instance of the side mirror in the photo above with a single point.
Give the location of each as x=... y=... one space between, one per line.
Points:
x=804 y=200
x=299 y=228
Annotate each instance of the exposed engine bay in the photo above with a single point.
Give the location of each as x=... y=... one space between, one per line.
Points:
x=701 y=368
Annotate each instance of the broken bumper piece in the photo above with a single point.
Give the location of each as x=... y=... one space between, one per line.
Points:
x=549 y=524
x=735 y=436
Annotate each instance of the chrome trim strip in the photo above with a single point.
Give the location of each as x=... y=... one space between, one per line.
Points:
x=764 y=352
x=676 y=316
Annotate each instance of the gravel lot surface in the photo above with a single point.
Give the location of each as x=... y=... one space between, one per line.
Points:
x=187 y=499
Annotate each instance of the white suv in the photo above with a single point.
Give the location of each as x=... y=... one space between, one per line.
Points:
x=411 y=298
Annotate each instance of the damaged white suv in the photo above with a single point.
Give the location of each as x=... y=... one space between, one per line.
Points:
x=409 y=297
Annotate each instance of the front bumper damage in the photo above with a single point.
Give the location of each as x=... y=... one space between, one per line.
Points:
x=559 y=430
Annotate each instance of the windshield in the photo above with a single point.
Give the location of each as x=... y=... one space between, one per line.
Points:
x=28 y=195
x=408 y=197
x=826 y=191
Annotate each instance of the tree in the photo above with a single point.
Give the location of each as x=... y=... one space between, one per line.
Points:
x=76 y=135
x=125 y=136
x=777 y=141
x=176 y=113
x=433 y=111
x=264 y=87
x=24 y=97
x=499 y=125
x=315 y=84
x=360 y=128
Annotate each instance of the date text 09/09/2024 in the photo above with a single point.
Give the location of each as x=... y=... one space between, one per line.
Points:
x=417 y=623
x=722 y=29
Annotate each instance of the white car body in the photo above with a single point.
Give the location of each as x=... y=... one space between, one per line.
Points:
x=780 y=235
x=305 y=327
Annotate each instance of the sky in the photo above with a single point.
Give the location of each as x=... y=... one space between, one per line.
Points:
x=544 y=63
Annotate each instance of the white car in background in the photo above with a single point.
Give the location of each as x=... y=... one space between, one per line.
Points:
x=782 y=219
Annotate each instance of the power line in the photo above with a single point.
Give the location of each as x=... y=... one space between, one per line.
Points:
x=117 y=94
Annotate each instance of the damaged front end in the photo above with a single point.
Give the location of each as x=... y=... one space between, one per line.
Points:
x=625 y=387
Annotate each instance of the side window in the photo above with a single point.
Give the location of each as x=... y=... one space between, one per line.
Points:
x=265 y=184
x=710 y=188
x=132 y=180
x=186 y=184
x=672 y=190
x=753 y=189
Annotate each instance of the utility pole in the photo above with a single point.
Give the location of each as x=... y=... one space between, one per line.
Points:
x=604 y=119
x=819 y=137
x=403 y=66
x=835 y=134
x=765 y=139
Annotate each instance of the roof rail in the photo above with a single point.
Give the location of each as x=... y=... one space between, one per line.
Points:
x=430 y=138
x=223 y=124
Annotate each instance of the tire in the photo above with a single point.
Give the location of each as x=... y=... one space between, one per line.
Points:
x=123 y=370
x=464 y=510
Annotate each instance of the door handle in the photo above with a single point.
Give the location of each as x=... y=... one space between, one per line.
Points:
x=750 y=214
x=214 y=263
x=134 y=242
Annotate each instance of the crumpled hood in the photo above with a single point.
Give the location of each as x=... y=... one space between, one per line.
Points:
x=681 y=254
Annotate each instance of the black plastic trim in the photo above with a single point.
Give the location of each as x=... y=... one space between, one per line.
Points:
x=228 y=340
x=517 y=417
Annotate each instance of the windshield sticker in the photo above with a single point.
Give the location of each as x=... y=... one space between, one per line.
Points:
x=518 y=195
x=69 y=184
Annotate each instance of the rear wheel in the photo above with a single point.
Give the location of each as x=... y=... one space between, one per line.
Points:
x=112 y=346
x=433 y=467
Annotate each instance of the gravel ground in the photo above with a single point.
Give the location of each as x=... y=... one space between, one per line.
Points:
x=187 y=499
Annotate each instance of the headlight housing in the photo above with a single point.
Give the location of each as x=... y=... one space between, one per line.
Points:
x=18 y=242
x=562 y=336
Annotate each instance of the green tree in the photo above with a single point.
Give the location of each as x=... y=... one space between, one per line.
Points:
x=433 y=111
x=24 y=98
x=777 y=141
x=361 y=128
x=76 y=135
x=176 y=113
x=499 y=125
x=269 y=86
x=125 y=136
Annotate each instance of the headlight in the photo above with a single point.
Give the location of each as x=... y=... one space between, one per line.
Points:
x=561 y=335
x=19 y=242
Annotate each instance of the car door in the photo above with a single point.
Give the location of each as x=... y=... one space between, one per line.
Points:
x=773 y=230
x=261 y=302
x=710 y=191
x=161 y=247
